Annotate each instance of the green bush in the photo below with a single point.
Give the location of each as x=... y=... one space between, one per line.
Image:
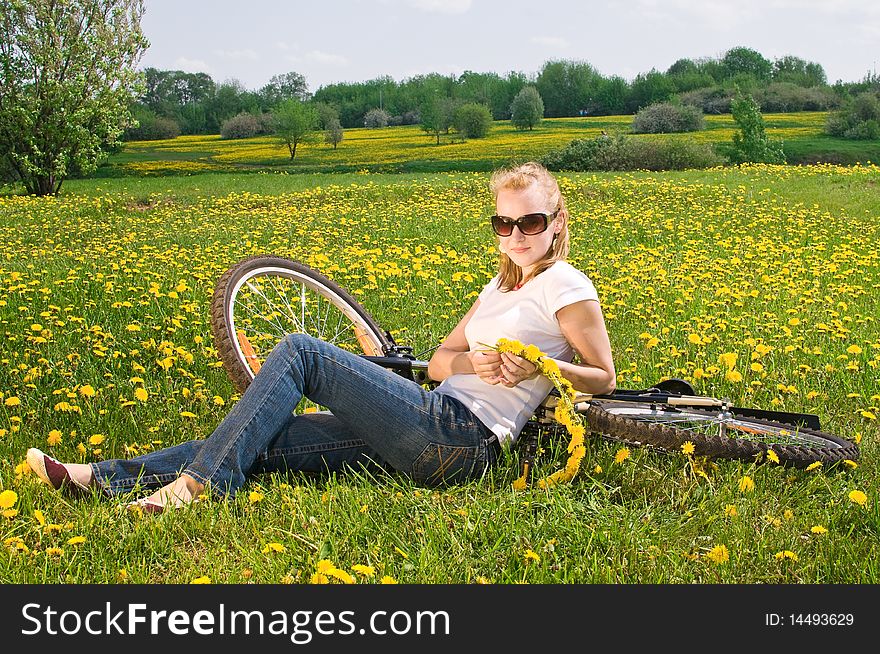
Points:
x=786 y=96
x=665 y=117
x=151 y=127
x=750 y=143
x=472 y=120
x=858 y=119
x=628 y=153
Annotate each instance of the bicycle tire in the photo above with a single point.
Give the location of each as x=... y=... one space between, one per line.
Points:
x=716 y=434
x=244 y=332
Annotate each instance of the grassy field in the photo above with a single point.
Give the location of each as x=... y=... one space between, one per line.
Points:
x=409 y=149
x=105 y=290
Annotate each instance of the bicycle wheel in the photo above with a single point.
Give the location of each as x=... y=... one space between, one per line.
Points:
x=715 y=433
x=261 y=299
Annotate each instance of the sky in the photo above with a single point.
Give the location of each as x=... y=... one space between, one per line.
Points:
x=331 y=41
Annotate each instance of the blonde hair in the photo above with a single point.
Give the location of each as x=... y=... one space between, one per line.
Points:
x=520 y=178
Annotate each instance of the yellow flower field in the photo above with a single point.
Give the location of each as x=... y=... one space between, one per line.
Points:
x=393 y=147
x=107 y=352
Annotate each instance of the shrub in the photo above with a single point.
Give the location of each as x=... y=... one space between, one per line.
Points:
x=151 y=127
x=665 y=117
x=710 y=100
x=785 y=96
x=376 y=118
x=858 y=119
x=241 y=126
x=750 y=143
x=473 y=120
x=628 y=153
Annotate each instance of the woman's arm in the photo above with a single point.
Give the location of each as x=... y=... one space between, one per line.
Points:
x=583 y=326
x=454 y=357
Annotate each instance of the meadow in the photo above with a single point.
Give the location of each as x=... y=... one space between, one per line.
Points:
x=409 y=149
x=771 y=273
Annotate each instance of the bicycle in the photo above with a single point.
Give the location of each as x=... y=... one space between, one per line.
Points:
x=260 y=299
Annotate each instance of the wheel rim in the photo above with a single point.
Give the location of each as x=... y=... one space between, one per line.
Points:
x=271 y=302
x=729 y=426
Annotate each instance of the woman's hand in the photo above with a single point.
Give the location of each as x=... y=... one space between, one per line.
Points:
x=516 y=369
x=487 y=365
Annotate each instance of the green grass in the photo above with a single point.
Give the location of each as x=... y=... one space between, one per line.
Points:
x=733 y=255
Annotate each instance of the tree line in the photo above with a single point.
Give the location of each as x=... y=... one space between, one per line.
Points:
x=195 y=104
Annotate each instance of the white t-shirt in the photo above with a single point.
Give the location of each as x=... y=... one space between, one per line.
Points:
x=527 y=315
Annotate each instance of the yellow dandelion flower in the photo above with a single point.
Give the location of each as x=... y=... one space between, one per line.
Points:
x=728 y=360
x=772 y=456
x=87 y=391
x=718 y=554
x=76 y=540
x=854 y=349
x=204 y=579
x=598 y=469
x=786 y=554
x=388 y=580
x=319 y=578
x=8 y=499
x=532 y=556
x=341 y=575
x=254 y=497
x=364 y=570
x=54 y=551
x=621 y=455
x=53 y=438
x=11 y=401
x=687 y=447
x=746 y=484
x=730 y=510
x=818 y=529
x=40 y=517
x=814 y=466
x=141 y=394
x=273 y=547
x=868 y=415
x=858 y=497
x=850 y=463
x=96 y=439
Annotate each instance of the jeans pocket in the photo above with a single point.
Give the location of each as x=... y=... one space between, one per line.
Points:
x=438 y=464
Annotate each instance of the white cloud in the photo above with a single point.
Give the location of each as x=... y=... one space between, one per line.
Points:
x=326 y=58
x=237 y=55
x=193 y=65
x=442 y=6
x=550 y=41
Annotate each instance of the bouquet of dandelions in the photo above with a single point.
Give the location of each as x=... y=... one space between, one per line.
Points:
x=565 y=411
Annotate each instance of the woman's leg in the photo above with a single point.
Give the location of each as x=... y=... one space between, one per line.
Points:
x=427 y=435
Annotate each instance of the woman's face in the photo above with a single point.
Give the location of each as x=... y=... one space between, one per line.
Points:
x=526 y=251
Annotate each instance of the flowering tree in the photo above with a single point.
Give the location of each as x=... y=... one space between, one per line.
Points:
x=67 y=79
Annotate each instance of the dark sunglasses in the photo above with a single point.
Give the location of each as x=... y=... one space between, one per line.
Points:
x=529 y=225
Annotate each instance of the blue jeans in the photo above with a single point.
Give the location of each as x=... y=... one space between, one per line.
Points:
x=377 y=418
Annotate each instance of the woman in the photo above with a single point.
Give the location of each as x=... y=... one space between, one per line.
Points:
x=452 y=433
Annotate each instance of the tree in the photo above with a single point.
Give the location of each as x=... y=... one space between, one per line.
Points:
x=473 y=120
x=437 y=115
x=295 y=123
x=333 y=132
x=67 y=80
x=741 y=60
x=289 y=86
x=527 y=108
x=750 y=143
